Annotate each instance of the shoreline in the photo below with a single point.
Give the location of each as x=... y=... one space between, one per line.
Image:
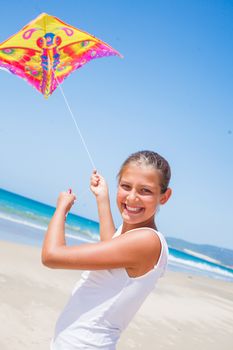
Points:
x=11 y=231
x=203 y=257
x=183 y=310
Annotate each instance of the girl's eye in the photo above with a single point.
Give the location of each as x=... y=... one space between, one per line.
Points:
x=145 y=191
x=125 y=187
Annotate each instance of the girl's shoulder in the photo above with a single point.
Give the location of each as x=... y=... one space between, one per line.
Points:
x=146 y=238
x=149 y=230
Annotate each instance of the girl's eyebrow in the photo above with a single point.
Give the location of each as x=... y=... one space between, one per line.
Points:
x=141 y=185
x=150 y=187
x=125 y=181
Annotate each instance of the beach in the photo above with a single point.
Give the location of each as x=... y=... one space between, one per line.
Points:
x=183 y=312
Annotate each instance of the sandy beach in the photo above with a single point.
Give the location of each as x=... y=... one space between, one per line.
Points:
x=183 y=312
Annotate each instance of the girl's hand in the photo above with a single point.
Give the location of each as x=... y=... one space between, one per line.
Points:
x=65 y=201
x=98 y=185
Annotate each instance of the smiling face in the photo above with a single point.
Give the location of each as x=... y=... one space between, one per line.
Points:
x=138 y=195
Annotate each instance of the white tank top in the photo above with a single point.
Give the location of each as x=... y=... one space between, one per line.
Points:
x=103 y=303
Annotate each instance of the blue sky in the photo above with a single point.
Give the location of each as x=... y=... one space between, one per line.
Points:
x=171 y=93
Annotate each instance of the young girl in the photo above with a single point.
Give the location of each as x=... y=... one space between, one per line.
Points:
x=123 y=267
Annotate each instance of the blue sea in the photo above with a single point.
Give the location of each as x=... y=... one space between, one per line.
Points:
x=23 y=220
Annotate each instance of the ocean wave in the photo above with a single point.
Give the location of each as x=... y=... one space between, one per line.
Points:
x=200 y=266
x=22 y=222
x=40 y=220
x=26 y=214
x=80 y=238
x=77 y=229
x=40 y=227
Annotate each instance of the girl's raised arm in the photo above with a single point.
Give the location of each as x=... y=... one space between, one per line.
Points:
x=99 y=188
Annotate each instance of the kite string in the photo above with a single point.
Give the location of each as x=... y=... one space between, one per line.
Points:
x=79 y=131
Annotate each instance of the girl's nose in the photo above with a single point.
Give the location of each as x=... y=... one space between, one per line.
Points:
x=132 y=196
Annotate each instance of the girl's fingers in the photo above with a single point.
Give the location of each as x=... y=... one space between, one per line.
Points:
x=74 y=196
x=95 y=180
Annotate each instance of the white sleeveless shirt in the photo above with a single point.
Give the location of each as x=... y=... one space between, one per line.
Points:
x=103 y=303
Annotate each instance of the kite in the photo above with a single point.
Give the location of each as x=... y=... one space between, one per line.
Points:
x=47 y=50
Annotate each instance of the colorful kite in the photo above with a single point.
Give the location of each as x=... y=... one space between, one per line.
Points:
x=47 y=50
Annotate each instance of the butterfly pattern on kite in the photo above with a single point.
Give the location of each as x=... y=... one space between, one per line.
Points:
x=47 y=50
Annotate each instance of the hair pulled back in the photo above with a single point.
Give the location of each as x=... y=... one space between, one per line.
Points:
x=153 y=159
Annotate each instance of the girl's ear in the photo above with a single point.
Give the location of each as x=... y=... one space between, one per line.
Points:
x=165 y=196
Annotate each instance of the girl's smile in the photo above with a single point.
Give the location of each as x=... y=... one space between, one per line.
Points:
x=133 y=210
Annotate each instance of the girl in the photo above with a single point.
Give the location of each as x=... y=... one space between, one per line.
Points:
x=123 y=267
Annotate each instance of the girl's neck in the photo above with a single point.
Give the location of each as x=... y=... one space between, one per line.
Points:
x=127 y=227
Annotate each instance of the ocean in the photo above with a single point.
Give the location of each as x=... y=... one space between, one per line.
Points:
x=23 y=220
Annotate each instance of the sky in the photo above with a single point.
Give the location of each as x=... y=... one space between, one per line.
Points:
x=171 y=93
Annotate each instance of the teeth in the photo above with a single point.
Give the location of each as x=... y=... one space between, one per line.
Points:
x=133 y=209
